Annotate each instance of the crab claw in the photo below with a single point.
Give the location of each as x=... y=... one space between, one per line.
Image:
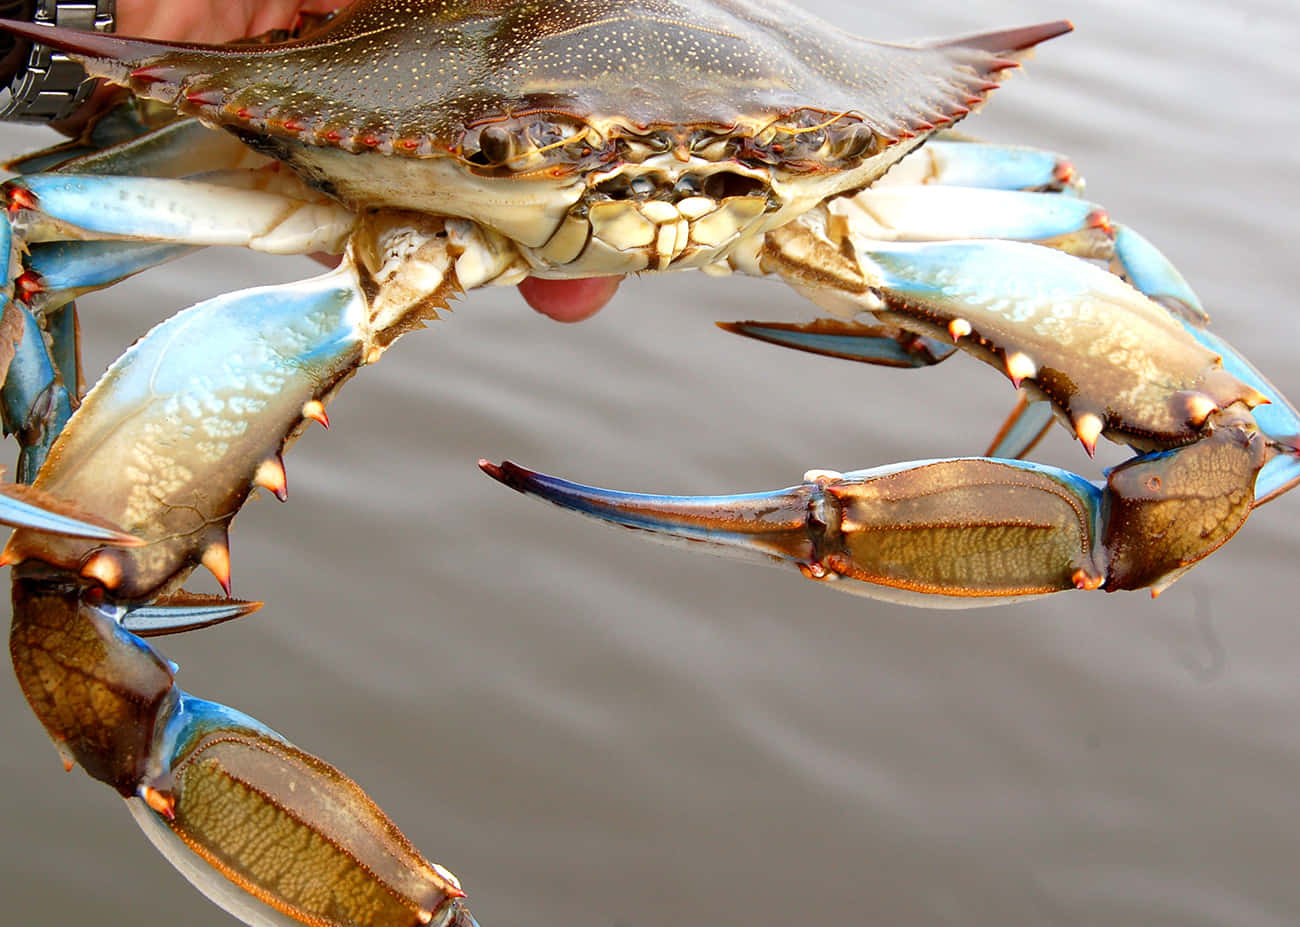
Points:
x=762 y=526
x=269 y=832
x=183 y=611
x=943 y=533
x=25 y=507
x=870 y=344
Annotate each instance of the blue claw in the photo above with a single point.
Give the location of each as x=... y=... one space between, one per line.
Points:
x=870 y=344
x=186 y=612
x=902 y=532
x=758 y=526
x=21 y=507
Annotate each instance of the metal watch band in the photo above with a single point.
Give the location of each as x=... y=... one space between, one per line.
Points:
x=51 y=86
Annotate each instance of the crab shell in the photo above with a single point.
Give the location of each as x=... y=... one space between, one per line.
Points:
x=601 y=136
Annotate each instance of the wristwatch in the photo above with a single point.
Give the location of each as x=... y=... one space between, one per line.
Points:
x=49 y=85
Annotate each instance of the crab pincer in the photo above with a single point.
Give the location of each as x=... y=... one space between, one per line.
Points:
x=961 y=532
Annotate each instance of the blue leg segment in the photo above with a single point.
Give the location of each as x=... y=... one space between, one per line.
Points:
x=34 y=402
x=68 y=269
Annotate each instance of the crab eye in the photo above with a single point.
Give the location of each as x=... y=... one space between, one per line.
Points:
x=857 y=141
x=686 y=186
x=495 y=144
x=527 y=144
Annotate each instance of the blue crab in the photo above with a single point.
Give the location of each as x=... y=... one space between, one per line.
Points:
x=109 y=585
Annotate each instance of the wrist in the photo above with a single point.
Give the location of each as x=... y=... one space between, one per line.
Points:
x=47 y=85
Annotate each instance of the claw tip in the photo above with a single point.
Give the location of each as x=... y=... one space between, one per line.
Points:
x=160 y=802
x=1086 y=579
x=1199 y=408
x=21 y=198
x=1100 y=219
x=501 y=473
x=1065 y=172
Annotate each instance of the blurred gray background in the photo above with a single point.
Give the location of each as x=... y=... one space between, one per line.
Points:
x=597 y=732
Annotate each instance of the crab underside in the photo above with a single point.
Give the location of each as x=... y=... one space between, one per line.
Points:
x=563 y=140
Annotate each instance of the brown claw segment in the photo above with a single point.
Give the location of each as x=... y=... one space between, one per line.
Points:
x=969 y=528
x=297 y=834
x=1169 y=511
x=97 y=698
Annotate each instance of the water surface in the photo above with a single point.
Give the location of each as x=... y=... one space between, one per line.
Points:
x=592 y=731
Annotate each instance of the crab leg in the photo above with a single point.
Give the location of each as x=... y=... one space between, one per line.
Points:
x=67 y=234
x=926 y=214
x=976 y=531
x=34 y=401
x=282 y=347
x=169 y=446
x=1043 y=317
x=964 y=532
x=950 y=159
x=63 y=270
x=945 y=213
x=267 y=831
x=54 y=207
x=120 y=145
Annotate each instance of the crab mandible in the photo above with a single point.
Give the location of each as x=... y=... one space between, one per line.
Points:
x=562 y=140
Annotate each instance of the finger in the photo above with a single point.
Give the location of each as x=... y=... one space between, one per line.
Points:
x=569 y=300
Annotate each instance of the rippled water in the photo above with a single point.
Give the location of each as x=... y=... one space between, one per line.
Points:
x=593 y=731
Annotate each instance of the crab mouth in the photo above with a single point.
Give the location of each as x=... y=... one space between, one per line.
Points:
x=659 y=212
x=718 y=184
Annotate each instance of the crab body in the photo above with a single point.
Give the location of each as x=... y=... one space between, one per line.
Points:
x=447 y=146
